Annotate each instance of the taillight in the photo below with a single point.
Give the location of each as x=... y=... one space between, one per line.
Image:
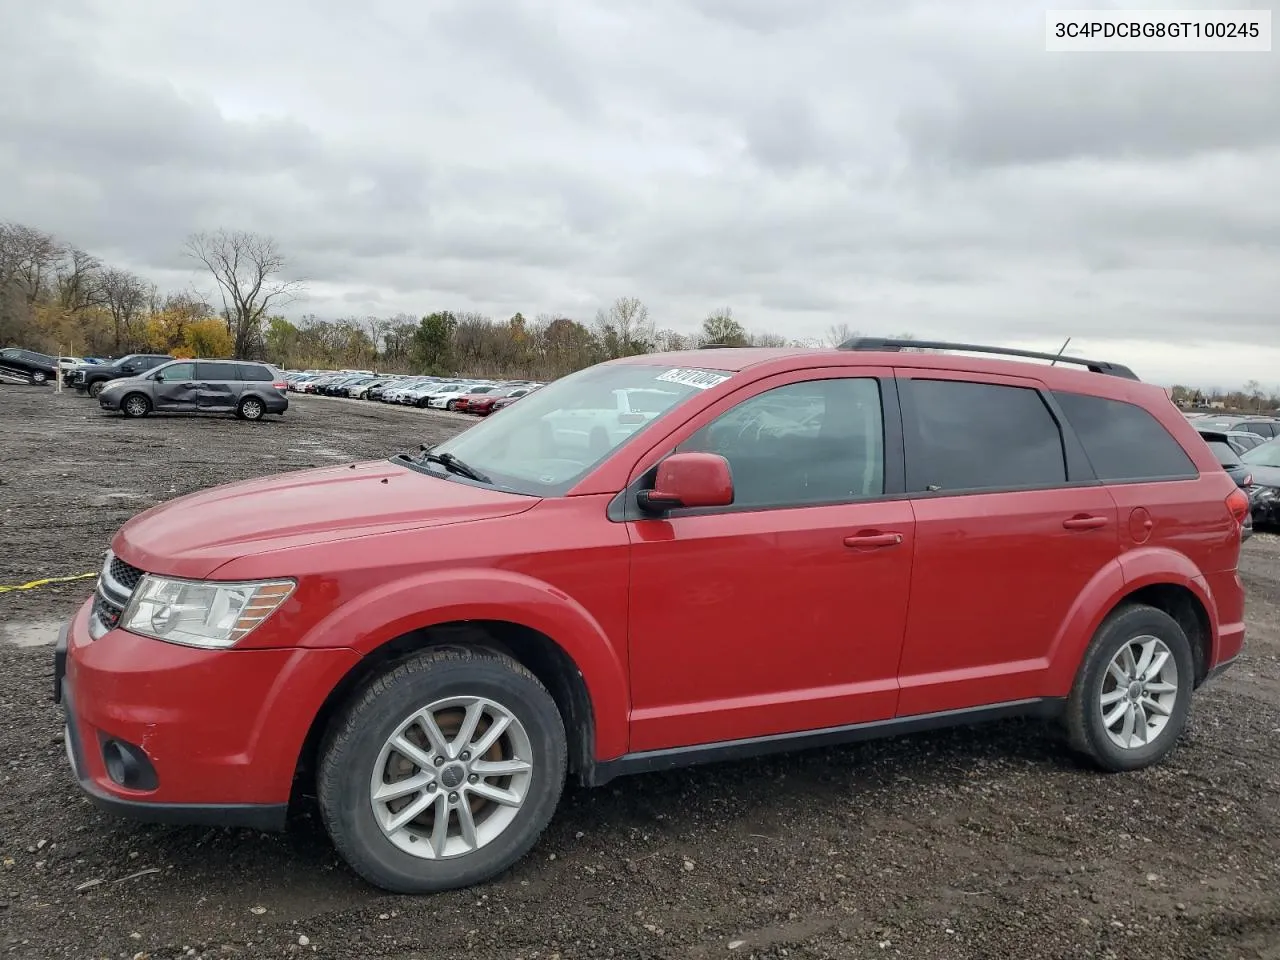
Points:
x=1238 y=504
x=280 y=385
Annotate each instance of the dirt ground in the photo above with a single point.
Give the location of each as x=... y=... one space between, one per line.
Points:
x=981 y=843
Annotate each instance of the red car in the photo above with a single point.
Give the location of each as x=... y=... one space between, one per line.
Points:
x=799 y=548
x=484 y=404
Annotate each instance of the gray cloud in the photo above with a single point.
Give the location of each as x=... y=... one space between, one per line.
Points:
x=906 y=165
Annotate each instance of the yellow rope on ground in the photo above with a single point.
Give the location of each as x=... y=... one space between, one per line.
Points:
x=47 y=580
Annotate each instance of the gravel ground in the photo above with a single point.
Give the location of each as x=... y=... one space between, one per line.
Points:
x=987 y=842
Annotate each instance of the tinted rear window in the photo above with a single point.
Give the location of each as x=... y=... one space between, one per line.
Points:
x=217 y=371
x=981 y=436
x=1223 y=452
x=1123 y=441
x=255 y=372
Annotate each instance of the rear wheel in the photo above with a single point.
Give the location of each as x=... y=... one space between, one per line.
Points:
x=251 y=408
x=443 y=772
x=1133 y=693
x=135 y=405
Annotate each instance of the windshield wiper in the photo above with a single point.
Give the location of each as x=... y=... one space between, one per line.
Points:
x=453 y=464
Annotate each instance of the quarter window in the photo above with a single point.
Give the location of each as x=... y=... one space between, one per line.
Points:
x=255 y=372
x=1124 y=441
x=820 y=441
x=979 y=436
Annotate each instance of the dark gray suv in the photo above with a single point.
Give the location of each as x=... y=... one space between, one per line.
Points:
x=246 y=388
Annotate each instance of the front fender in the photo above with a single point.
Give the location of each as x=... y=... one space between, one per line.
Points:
x=1124 y=575
x=413 y=603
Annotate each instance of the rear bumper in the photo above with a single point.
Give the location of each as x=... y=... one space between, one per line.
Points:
x=277 y=404
x=170 y=734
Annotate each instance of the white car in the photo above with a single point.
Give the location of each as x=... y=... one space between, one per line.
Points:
x=600 y=427
x=439 y=398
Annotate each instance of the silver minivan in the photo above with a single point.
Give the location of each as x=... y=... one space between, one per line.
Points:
x=247 y=388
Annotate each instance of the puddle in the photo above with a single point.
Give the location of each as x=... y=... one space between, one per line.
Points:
x=30 y=633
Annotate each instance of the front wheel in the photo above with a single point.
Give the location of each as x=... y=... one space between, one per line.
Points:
x=251 y=408
x=1132 y=695
x=96 y=388
x=39 y=378
x=443 y=772
x=135 y=405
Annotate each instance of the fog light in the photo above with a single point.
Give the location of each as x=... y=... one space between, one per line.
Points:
x=128 y=766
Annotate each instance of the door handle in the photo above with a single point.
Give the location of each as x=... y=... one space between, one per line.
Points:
x=874 y=540
x=1084 y=523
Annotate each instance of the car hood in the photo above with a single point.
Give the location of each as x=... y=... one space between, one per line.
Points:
x=194 y=535
x=121 y=382
x=1264 y=476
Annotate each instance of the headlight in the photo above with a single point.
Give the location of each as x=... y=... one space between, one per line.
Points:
x=202 y=614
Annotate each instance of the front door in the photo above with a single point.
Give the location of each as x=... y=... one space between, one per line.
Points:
x=175 y=388
x=1011 y=527
x=785 y=611
x=219 y=386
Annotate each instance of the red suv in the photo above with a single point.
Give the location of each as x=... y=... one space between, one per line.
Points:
x=793 y=548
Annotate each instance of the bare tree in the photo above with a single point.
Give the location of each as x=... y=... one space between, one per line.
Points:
x=248 y=268
x=128 y=298
x=625 y=328
x=28 y=259
x=838 y=333
x=79 y=278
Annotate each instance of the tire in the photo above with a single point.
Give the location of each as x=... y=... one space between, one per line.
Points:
x=1135 y=626
x=251 y=408
x=96 y=387
x=39 y=378
x=357 y=749
x=423 y=404
x=135 y=405
x=451 y=405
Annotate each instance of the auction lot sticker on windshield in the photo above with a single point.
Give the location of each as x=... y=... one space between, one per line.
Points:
x=702 y=379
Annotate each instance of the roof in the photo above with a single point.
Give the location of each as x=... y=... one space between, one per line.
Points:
x=762 y=360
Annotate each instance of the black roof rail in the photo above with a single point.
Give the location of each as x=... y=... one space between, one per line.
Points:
x=893 y=346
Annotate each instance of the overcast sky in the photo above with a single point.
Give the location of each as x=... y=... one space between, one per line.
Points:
x=890 y=164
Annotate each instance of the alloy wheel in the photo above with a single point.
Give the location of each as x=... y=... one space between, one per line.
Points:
x=1139 y=691
x=451 y=777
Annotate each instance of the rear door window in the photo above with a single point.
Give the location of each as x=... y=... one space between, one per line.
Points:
x=217 y=371
x=1123 y=441
x=968 y=436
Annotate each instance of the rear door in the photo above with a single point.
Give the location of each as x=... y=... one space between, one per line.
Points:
x=1011 y=526
x=175 y=388
x=219 y=386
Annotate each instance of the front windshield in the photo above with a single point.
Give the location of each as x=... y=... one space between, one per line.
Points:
x=548 y=441
x=1263 y=455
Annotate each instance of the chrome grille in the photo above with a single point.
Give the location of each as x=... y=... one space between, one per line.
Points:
x=124 y=574
x=116 y=584
x=105 y=612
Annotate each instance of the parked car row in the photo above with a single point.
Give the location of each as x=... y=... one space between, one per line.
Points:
x=479 y=397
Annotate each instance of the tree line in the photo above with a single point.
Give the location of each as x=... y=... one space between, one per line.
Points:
x=60 y=299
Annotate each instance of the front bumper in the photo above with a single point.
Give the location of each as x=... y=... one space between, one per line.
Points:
x=208 y=737
x=1265 y=510
x=109 y=401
